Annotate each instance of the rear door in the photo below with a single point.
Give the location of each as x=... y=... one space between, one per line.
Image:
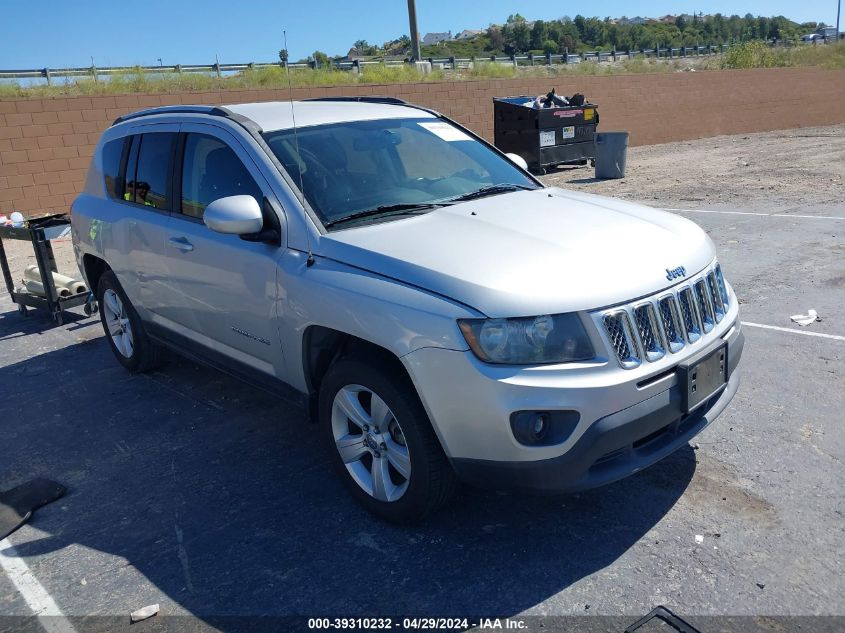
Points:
x=223 y=287
x=144 y=203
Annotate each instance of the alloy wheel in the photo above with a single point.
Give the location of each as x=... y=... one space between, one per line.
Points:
x=117 y=323
x=371 y=443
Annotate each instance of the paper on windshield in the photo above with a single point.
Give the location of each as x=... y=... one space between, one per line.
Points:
x=446 y=131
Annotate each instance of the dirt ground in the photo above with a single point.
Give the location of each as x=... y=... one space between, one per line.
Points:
x=787 y=167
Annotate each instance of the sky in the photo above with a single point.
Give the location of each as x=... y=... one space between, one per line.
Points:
x=62 y=33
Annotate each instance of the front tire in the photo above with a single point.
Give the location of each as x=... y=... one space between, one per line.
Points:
x=381 y=442
x=123 y=327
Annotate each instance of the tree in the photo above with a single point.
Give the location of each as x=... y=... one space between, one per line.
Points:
x=516 y=34
x=497 y=42
x=681 y=22
x=550 y=47
x=321 y=58
x=283 y=56
x=539 y=34
x=569 y=37
x=521 y=37
x=580 y=24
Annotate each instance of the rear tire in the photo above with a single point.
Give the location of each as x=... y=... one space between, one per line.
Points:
x=123 y=327
x=392 y=462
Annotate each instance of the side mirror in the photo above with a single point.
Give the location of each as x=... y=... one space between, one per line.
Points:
x=519 y=160
x=235 y=215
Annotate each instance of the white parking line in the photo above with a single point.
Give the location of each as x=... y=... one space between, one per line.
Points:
x=36 y=596
x=835 y=337
x=768 y=215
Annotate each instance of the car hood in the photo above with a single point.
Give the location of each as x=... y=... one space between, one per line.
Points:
x=529 y=252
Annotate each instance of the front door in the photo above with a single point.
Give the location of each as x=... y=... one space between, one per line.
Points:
x=224 y=288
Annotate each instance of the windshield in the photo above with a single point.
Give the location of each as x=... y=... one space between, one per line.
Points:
x=376 y=168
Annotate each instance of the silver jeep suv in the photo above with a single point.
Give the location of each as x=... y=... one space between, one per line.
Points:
x=438 y=312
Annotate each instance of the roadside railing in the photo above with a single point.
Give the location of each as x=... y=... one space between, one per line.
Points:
x=356 y=65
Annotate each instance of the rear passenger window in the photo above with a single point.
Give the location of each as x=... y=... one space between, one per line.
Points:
x=212 y=170
x=112 y=153
x=149 y=184
x=129 y=175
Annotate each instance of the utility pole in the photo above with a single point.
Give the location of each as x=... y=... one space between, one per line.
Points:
x=838 y=11
x=415 y=35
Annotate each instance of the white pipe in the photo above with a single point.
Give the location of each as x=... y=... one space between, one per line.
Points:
x=73 y=286
x=37 y=288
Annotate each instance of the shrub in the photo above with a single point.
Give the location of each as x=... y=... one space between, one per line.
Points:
x=754 y=55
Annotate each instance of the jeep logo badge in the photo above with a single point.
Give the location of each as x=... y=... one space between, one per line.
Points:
x=674 y=273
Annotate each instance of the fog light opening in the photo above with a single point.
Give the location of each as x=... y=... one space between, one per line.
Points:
x=540 y=426
x=543 y=428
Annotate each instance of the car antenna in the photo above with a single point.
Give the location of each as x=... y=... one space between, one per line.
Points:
x=310 y=261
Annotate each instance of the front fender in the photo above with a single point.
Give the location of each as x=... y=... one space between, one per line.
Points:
x=382 y=311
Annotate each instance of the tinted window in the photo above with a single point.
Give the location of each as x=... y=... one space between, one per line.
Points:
x=212 y=170
x=149 y=187
x=112 y=153
x=129 y=175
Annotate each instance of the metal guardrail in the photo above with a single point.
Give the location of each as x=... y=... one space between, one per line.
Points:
x=444 y=63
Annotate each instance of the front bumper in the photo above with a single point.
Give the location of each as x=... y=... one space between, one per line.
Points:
x=625 y=426
x=614 y=447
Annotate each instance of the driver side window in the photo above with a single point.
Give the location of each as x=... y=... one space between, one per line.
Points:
x=211 y=170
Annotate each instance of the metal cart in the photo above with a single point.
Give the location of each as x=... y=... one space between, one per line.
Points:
x=546 y=137
x=39 y=232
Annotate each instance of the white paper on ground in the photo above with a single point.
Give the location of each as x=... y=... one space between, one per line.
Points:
x=446 y=131
x=805 y=319
x=144 y=613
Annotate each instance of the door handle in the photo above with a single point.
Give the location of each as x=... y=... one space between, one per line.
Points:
x=180 y=243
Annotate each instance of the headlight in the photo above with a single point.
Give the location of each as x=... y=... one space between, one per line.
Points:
x=558 y=338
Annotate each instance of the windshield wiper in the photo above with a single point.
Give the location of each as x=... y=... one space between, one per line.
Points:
x=386 y=210
x=490 y=190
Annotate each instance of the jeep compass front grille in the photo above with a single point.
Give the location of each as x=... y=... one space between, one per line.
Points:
x=670 y=321
x=622 y=339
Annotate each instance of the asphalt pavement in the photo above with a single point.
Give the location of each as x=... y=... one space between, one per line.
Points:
x=215 y=500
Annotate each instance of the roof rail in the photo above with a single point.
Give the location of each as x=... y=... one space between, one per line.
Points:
x=389 y=100
x=193 y=109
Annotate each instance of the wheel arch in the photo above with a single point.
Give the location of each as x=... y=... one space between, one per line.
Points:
x=322 y=346
x=93 y=268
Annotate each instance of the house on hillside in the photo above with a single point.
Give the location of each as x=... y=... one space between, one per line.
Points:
x=435 y=38
x=636 y=20
x=468 y=34
x=667 y=19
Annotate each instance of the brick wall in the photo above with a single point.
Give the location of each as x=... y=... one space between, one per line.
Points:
x=46 y=144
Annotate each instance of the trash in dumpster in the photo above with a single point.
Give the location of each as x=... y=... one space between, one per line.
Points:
x=552 y=100
x=805 y=319
x=546 y=131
